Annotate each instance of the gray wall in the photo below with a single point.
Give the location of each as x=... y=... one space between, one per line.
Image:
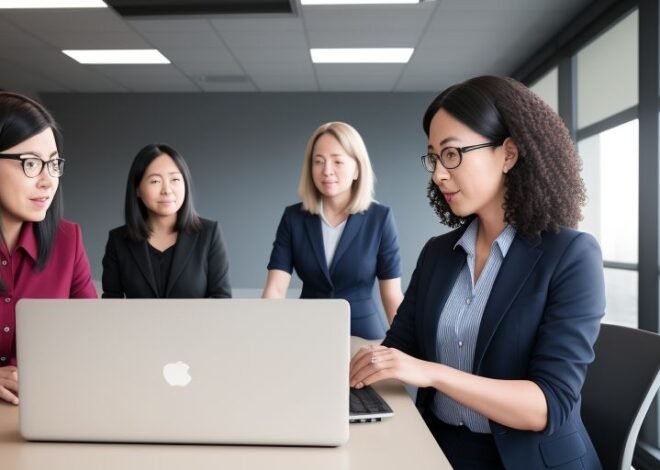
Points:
x=245 y=152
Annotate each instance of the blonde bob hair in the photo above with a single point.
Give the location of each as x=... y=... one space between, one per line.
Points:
x=362 y=191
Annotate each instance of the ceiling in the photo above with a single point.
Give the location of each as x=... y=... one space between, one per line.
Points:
x=453 y=40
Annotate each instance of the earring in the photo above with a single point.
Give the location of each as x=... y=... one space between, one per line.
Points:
x=505 y=170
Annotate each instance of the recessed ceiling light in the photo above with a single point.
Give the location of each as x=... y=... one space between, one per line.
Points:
x=20 y=4
x=355 y=2
x=117 y=56
x=380 y=55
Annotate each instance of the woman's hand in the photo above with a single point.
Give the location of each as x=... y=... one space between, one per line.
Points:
x=375 y=363
x=9 y=384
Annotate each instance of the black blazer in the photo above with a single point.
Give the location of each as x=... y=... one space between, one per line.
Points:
x=200 y=266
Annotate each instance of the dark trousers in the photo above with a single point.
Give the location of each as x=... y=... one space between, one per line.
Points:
x=465 y=450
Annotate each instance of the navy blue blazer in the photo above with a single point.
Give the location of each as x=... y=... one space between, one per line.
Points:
x=368 y=249
x=540 y=324
x=200 y=266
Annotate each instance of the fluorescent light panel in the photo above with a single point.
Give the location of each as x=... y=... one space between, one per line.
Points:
x=381 y=55
x=117 y=56
x=355 y=2
x=20 y=4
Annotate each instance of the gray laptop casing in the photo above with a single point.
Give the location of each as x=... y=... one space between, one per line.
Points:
x=271 y=372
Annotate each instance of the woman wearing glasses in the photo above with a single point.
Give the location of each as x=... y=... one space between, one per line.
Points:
x=338 y=239
x=498 y=323
x=41 y=255
x=165 y=250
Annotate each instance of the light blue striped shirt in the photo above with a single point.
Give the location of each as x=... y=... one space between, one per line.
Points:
x=460 y=319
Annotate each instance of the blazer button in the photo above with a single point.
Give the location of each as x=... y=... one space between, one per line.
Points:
x=7 y=300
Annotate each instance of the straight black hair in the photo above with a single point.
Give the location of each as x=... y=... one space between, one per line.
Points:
x=20 y=119
x=136 y=213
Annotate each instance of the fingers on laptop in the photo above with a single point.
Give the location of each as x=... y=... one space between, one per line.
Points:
x=6 y=395
x=364 y=351
x=9 y=384
x=371 y=366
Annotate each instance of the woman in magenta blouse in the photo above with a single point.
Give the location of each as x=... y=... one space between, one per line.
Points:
x=41 y=255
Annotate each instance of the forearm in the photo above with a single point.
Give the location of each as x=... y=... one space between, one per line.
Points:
x=391 y=305
x=277 y=285
x=391 y=296
x=273 y=292
x=518 y=404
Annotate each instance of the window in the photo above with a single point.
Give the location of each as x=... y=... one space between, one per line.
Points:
x=547 y=88
x=607 y=73
x=610 y=168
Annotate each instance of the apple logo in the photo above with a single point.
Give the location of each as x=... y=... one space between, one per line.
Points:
x=176 y=374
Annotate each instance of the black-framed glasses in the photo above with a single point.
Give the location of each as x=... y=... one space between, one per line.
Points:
x=33 y=165
x=451 y=157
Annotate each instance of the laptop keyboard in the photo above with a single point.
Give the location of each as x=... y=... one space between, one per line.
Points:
x=366 y=402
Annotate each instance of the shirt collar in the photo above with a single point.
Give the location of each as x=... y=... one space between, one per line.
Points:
x=325 y=221
x=28 y=241
x=321 y=213
x=469 y=238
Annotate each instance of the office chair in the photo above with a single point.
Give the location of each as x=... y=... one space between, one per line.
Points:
x=619 y=388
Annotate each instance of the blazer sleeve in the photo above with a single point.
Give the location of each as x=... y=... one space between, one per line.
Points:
x=218 y=285
x=402 y=335
x=111 y=278
x=281 y=257
x=82 y=286
x=569 y=328
x=388 y=264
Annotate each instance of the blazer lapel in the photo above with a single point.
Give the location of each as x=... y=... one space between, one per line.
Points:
x=182 y=251
x=353 y=226
x=516 y=268
x=140 y=252
x=445 y=271
x=313 y=227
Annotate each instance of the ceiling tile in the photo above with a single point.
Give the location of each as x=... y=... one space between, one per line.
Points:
x=94 y=40
x=96 y=20
x=358 y=77
x=15 y=78
x=191 y=39
x=148 y=77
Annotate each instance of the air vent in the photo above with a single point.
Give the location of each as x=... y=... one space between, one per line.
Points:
x=198 y=7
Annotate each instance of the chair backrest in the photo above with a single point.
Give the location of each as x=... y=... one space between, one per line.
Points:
x=619 y=388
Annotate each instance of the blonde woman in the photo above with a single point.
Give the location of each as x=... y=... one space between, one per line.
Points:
x=338 y=239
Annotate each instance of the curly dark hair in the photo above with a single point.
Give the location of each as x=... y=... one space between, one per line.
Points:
x=544 y=190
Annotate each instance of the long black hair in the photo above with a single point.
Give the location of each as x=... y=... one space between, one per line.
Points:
x=544 y=190
x=20 y=119
x=136 y=213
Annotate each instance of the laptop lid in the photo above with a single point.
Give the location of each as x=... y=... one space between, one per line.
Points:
x=231 y=371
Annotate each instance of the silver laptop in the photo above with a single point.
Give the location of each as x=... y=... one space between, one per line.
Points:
x=230 y=371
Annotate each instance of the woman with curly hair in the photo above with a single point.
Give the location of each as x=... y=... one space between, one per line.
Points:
x=498 y=323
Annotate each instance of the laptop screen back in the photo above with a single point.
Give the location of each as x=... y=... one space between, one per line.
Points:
x=232 y=371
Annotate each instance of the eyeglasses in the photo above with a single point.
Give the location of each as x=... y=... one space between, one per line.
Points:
x=451 y=157
x=33 y=165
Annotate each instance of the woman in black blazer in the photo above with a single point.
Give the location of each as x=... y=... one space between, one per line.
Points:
x=165 y=250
